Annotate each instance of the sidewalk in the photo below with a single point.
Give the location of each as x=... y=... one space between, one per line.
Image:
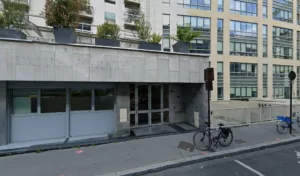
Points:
x=108 y=158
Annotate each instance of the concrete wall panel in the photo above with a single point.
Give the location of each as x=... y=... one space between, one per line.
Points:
x=33 y=61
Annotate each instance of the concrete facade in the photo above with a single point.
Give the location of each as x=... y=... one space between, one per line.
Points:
x=33 y=61
x=36 y=66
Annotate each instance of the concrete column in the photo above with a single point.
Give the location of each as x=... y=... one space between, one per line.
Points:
x=295 y=12
x=122 y=101
x=295 y=45
x=270 y=9
x=3 y=113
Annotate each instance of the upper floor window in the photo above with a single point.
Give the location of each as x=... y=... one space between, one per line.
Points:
x=282 y=15
x=243 y=8
x=282 y=33
x=220 y=24
x=265 y=11
x=265 y=31
x=195 y=4
x=194 y=22
x=243 y=28
x=220 y=5
x=110 y=17
x=166 y=1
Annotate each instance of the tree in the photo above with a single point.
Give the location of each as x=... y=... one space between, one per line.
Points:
x=13 y=14
x=64 y=13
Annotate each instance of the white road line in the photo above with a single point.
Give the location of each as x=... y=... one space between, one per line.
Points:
x=249 y=168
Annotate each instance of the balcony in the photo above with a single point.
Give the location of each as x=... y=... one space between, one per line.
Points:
x=131 y=16
x=89 y=12
x=137 y=2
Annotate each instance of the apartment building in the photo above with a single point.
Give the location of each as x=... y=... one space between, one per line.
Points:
x=253 y=44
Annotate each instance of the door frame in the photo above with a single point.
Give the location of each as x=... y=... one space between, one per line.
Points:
x=136 y=112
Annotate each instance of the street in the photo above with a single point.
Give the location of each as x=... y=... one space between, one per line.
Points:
x=280 y=161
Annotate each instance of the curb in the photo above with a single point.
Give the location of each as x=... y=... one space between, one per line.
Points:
x=199 y=158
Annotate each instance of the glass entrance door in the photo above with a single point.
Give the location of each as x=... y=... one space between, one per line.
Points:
x=149 y=104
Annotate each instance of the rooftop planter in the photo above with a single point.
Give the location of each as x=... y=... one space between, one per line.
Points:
x=148 y=41
x=108 y=35
x=12 y=19
x=184 y=35
x=63 y=16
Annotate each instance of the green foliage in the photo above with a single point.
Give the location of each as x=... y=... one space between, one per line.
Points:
x=143 y=28
x=108 y=31
x=185 y=34
x=64 y=13
x=38 y=151
x=2 y=21
x=13 y=14
x=154 y=38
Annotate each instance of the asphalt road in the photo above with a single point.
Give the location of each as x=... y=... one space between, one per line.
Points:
x=280 y=161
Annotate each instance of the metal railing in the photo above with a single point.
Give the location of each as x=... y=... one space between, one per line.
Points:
x=247 y=116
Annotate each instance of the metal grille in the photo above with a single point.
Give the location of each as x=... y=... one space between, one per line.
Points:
x=243 y=79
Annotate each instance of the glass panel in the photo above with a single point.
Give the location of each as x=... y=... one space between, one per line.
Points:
x=249 y=92
x=166 y=96
x=81 y=100
x=220 y=67
x=132 y=97
x=24 y=101
x=166 y=117
x=143 y=97
x=104 y=99
x=156 y=118
x=238 y=91
x=243 y=92
x=155 y=97
x=132 y=119
x=143 y=119
x=166 y=19
x=53 y=101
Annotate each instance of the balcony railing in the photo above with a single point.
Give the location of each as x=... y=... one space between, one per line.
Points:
x=133 y=1
x=89 y=12
x=131 y=16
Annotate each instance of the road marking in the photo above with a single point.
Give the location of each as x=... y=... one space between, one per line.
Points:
x=249 y=168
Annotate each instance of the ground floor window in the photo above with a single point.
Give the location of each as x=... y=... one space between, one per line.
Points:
x=55 y=100
x=242 y=92
x=24 y=101
x=220 y=93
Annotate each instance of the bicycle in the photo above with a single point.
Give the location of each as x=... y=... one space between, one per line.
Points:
x=284 y=122
x=224 y=134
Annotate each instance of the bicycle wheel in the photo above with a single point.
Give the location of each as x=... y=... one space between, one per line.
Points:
x=202 y=140
x=282 y=127
x=225 y=141
x=295 y=125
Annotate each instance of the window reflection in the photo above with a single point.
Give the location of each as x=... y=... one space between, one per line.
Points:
x=24 y=101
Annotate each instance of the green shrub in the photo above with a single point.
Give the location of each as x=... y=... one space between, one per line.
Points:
x=143 y=28
x=64 y=13
x=108 y=31
x=13 y=14
x=154 y=38
x=185 y=34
